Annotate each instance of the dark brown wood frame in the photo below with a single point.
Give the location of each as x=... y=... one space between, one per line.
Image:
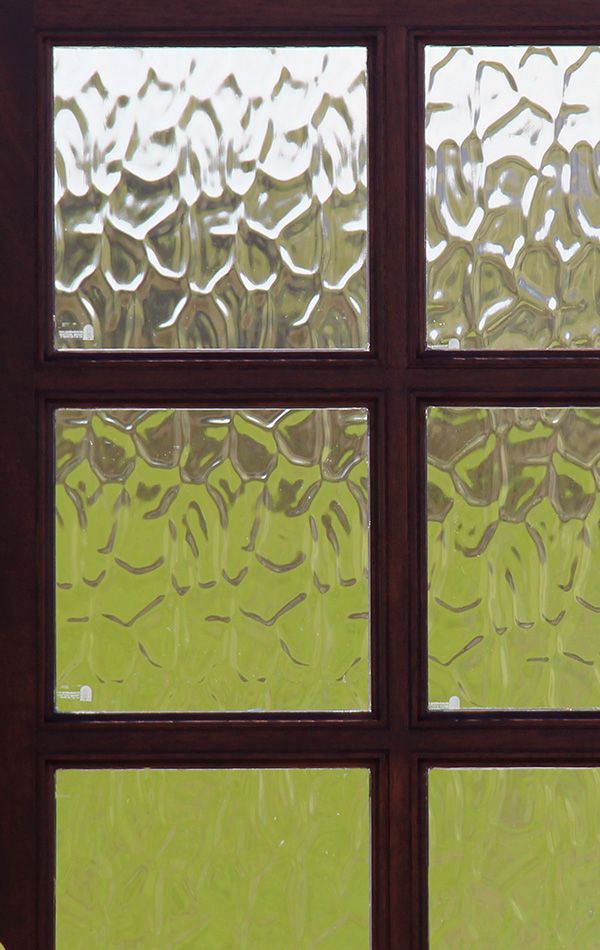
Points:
x=396 y=380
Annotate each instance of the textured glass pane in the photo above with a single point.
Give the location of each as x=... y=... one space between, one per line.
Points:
x=210 y=198
x=514 y=549
x=255 y=859
x=513 y=196
x=514 y=859
x=212 y=559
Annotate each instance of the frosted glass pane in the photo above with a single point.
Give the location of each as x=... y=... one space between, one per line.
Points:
x=513 y=551
x=513 y=858
x=212 y=559
x=210 y=198
x=256 y=859
x=513 y=200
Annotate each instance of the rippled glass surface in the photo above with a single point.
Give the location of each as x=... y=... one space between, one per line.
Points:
x=513 y=196
x=212 y=559
x=202 y=859
x=513 y=555
x=513 y=858
x=210 y=198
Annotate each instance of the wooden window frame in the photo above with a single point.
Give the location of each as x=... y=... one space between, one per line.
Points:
x=396 y=379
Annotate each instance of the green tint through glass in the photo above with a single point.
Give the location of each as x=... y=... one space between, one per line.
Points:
x=514 y=859
x=211 y=560
x=160 y=859
x=513 y=554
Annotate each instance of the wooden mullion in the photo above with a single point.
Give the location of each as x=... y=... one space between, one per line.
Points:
x=507 y=16
x=231 y=385
x=151 y=737
x=555 y=381
x=569 y=737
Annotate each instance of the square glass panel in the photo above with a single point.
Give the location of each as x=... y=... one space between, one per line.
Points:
x=513 y=555
x=256 y=859
x=210 y=199
x=513 y=858
x=513 y=197
x=212 y=560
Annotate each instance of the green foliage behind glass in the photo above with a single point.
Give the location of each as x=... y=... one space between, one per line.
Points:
x=237 y=859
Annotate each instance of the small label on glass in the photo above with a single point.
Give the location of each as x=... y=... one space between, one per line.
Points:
x=452 y=704
x=85 y=333
x=83 y=694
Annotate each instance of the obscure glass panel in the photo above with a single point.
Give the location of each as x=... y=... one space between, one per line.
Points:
x=513 y=200
x=513 y=551
x=256 y=859
x=513 y=858
x=212 y=559
x=210 y=198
